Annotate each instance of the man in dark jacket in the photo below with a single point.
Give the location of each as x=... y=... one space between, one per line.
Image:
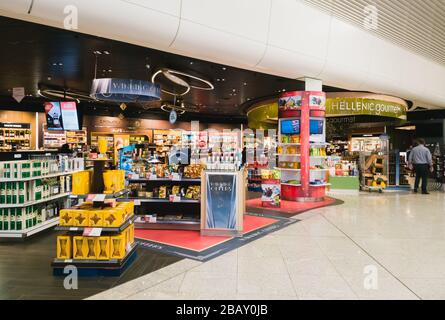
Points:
x=421 y=160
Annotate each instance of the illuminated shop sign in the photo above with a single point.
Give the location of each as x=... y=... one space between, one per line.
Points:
x=363 y=106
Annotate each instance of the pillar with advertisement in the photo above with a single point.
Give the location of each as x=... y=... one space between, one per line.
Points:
x=302 y=146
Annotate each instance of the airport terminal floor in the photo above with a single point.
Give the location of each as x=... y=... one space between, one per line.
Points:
x=372 y=246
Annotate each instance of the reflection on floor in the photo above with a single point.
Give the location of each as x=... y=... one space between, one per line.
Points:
x=25 y=271
x=374 y=246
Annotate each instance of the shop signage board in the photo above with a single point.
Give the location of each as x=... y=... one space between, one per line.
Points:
x=125 y=90
x=173 y=117
x=18 y=93
x=364 y=106
x=15 y=125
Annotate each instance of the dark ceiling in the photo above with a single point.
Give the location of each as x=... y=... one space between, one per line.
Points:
x=34 y=55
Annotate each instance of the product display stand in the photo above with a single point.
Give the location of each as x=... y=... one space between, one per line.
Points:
x=223 y=195
x=99 y=241
x=174 y=213
x=302 y=132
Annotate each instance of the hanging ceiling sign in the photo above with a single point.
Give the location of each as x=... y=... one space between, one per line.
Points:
x=363 y=106
x=173 y=117
x=18 y=94
x=125 y=90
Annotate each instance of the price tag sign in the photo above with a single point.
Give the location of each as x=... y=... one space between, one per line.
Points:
x=68 y=260
x=174 y=198
x=176 y=177
x=137 y=202
x=17 y=156
x=153 y=177
x=151 y=219
x=74 y=229
x=92 y=232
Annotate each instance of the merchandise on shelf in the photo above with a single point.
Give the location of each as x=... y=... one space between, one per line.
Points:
x=85 y=215
x=115 y=246
x=26 y=217
x=15 y=136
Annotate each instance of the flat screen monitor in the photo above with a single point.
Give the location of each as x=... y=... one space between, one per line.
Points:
x=290 y=126
x=69 y=115
x=316 y=127
x=53 y=116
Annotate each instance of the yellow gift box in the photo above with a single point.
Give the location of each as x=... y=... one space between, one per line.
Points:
x=90 y=247
x=79 y=250
x=66 y=217
x=81 y=218
x=81 y=182
x=117 y=246
x=63 y=247
x=96 y=218
x=103 y=248
x=113 y=217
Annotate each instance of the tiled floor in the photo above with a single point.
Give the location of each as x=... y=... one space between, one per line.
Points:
x=388 y=246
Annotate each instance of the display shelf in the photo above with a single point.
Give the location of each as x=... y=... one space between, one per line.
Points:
x=31 y=203
x=170 y=224
x=289 y=144
x=144 y=180
x=288 y=155
x=160 y=200
x=287 y=169
x=315 y=170
x=128 y=222
x=30 y=231
x=107 y=196
x=52 y=175
x=290 y=184
x=319 y=185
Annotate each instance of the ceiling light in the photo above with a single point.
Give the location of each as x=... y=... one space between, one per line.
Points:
x=49 y=78
x=234 y=90
x=283 y=90
x=97 y=52
x=109 y=70
x=54 y=64
x=245 y=83
x=191 y=62
x=223 y=79
x=60 y=64
x=106 y=52
x=218 y=79
x=147 y=66
x=224 y=68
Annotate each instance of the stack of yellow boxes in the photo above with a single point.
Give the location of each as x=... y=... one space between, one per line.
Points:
x=112 y=246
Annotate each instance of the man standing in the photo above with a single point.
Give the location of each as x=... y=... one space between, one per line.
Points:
x=420 y=159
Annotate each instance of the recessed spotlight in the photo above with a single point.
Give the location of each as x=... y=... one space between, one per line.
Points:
x=109 y=70
x=106 y=52
x=234 y=90
x=218 y=80
x=54 y=64
x=97 y=52
x=223 y=79
x=60 y=64
x=248 y=99
x=234 y=94
x=191 y=62
x=147 y=66
x=245 y=83
x=104 y=70
x=224 y=68
x=49 y=78
x=283 y=90
x=217 y=101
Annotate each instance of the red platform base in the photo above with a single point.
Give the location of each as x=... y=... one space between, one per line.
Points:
x=295 y=193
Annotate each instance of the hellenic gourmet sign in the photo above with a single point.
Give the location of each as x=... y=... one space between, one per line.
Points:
x=364 y=106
